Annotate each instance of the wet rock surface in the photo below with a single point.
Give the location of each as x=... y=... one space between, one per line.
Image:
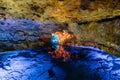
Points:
x=16 y=33
x=28 y=65
x=36 y=64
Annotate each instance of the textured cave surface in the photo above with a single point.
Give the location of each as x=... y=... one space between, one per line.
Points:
x=97 y=21
x=27 y=24
x=62 y=10
x=37 y=64
x=19 y=33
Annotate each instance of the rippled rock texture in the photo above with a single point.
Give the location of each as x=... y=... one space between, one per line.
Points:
x=16 y=33
x=36 y=64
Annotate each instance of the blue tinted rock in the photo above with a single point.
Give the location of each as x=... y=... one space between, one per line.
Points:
x=36 y=64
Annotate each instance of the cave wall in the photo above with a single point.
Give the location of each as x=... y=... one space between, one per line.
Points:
x=91 y=20
x=105 y=33
x=62 y=10
x=21 y=33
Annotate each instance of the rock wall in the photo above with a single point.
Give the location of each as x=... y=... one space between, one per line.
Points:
x=18 y=33
x=105 y=33
x=91 y=20
x=62 y=10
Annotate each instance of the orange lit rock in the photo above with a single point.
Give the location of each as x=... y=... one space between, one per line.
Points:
x=60 y=52
x=64 y=36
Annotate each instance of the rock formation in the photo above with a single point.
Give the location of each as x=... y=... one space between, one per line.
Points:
x=36 y=64
x=91 y=20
